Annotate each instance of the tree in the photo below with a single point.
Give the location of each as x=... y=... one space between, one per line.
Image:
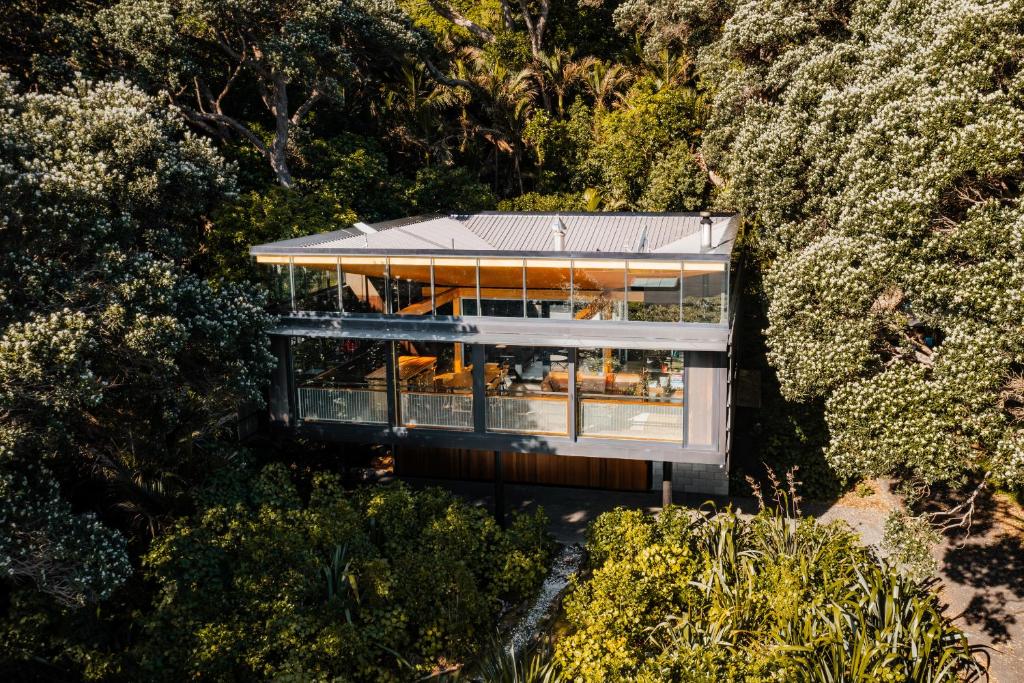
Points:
x=630 y=140
x=379 y=584
x=676 y=182
x=876 y=151
x=204 y=52
x=113 y=357
x=534 y=18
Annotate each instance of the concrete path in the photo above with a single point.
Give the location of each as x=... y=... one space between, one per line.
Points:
x=982 y=579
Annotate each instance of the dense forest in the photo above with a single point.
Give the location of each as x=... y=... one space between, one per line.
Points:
x=875 y=149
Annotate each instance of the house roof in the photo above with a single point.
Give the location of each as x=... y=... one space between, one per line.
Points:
x=522 y=233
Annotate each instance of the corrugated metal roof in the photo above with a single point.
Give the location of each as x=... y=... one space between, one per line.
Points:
x=668 y=233
x=437 y=233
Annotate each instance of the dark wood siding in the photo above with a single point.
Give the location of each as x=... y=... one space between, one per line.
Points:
x=525 y=468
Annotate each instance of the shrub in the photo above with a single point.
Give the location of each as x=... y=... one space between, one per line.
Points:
x=359 y=586
x=697 y=596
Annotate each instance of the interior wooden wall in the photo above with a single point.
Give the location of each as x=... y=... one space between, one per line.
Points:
x=526 y=468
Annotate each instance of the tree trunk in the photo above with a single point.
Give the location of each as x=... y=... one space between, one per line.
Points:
x=279 y=149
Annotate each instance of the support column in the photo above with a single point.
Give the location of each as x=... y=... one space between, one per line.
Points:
x=574 y=408
x=666 y=484
x=282 y=411
x=479 y=388
x=392 y=380
x=499 y=491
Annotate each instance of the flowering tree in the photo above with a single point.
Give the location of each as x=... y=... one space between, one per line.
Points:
x=113 y=357
x=878 y=149
x=298 y=54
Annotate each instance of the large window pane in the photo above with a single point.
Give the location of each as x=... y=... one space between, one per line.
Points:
x=410 y=285
x=316 y=283
x=435 y=385
x=364 y=283
x=527 y=389
x=275 y=275
x=630 y=394
x=654 y=294
x=704 y=292
x=599 y=289
x=455 y=282
x=548 y=288
x=340 y=380
x=501 y=288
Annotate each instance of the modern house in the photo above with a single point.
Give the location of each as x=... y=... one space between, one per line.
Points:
x=587 y=349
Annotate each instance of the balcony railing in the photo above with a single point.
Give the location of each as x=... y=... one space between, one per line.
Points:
x=447 y=411
x=360 y=406
x=528 y=414
x=622 y=418
x=631 y=419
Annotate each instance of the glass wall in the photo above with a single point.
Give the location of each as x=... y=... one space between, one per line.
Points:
x=643 y=290
x=527 y=389
x=340 y=380
x=705 y=292
x=548 y=288
x=364 y=281
x=630 y=394
x=435 y=386
x=668 y=396
x=316 y=284
x=599 y=290
x=501 y=289
x=276 y=277
x=454 y=282
x=655 y=291
x=410 y=286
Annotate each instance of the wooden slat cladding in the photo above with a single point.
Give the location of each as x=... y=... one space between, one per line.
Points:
x=524 y=468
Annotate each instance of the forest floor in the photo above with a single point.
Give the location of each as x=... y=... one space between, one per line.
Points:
x=982 y=576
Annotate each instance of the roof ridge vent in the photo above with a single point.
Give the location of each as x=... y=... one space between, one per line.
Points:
x=364 y=228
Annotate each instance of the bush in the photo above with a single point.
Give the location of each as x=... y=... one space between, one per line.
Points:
x=359 y=586
x=708 y=597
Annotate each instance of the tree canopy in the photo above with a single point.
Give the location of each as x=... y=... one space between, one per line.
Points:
x=102 y=327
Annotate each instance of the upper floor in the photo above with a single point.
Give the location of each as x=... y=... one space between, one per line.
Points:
x=613 y=267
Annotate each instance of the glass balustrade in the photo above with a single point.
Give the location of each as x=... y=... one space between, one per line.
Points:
x=353 y=406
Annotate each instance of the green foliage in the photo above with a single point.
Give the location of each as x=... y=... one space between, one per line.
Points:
x=534 y=201
x=354 y=172
x=676 y=182
x=877 y=149
x=561 y=146
x=910 y=540
x=630 y=143
x=256 y=218
x=697 y=596
x=113 y=356
x=352 y=585
x=448 y=190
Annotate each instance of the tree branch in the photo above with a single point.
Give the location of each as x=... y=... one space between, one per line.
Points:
x=449 y=81
x=203 y=119
x=304 y=108
x=451 y=15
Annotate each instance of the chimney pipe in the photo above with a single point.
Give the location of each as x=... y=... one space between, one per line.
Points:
x=705 y=230
x=558 y=231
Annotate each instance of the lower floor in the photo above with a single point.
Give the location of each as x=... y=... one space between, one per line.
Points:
x=552 y=470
